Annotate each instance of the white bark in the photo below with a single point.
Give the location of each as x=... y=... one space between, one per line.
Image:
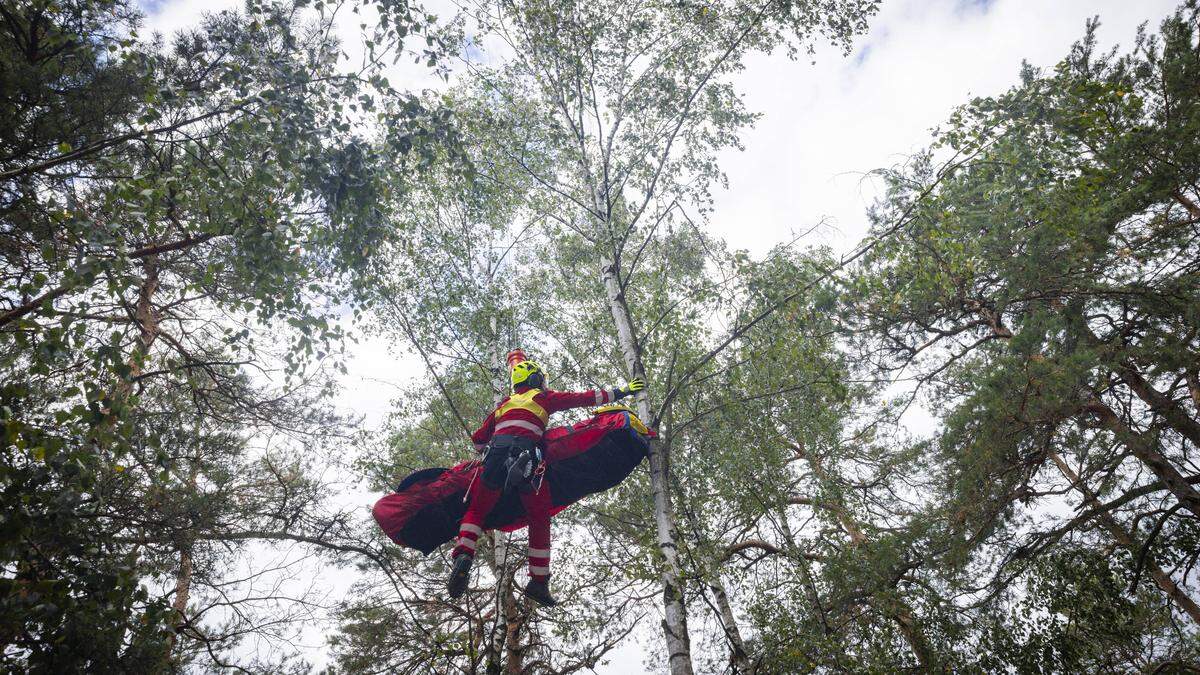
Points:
x=741 y=659
x=502 y=565
x=675 y=627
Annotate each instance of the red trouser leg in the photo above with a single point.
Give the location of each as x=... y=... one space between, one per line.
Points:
x=483 y=498
x=537 y=509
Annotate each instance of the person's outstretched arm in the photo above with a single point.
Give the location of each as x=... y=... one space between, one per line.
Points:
x=555 y=401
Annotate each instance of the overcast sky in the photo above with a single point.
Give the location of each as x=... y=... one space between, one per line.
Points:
x=825 y=125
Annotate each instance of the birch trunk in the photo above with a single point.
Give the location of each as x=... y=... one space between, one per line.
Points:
x=740 y=657
x=1122 y=537
x=501 y=564
x=504 y=647
x=675 y=627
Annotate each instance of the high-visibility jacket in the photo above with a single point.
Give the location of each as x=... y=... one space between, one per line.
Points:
x=526 y=412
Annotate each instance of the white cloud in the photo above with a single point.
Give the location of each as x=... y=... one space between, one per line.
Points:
x=170 y=16
x=824 y=126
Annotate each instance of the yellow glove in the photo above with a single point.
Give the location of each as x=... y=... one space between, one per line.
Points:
x=630 y=388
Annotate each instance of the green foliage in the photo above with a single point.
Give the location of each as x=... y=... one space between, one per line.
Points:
x=179 y=218
x=605 y=162
x=1073 y=616
x=1041 y=291
x=186 y=223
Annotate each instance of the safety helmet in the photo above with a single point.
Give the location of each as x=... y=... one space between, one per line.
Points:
x=527 y=374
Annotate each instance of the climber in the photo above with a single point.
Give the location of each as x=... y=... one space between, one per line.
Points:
x=511 y=440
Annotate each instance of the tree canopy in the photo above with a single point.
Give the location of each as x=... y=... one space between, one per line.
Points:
x=197 y=228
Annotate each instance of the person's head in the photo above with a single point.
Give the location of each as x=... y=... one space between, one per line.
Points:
x=527 y=374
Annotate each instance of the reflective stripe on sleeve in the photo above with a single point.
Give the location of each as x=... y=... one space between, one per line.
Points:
x=466 y=542
x=468 y=527
x=537 y=569
x=539 y=553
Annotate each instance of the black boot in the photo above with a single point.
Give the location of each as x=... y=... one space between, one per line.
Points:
x=538 y=588
x=460 y=575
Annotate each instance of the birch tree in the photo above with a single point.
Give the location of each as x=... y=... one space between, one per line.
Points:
x=634 y=102
x=468 y=283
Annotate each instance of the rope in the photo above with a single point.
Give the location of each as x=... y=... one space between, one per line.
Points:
x=474 y=475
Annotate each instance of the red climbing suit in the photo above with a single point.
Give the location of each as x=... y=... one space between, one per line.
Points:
x=523 y=415
x=591 y=456
x=527 y=411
